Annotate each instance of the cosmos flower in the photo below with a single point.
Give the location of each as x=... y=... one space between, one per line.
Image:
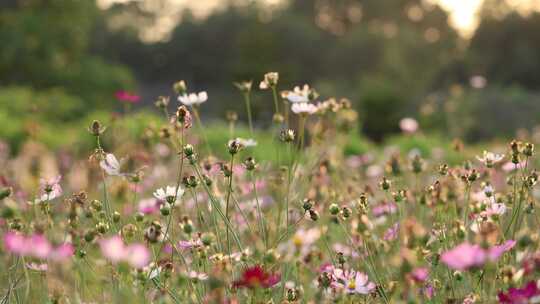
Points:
x=466 y=256
x=249 y=142
x=110 y=164
x=489 y=158
x=528 y=294
x=114 y=250
x=270 y=80
x=36 y=246
x=420 y=274
x=50 y=189
x=43 y=267
x=170 y=194
x=300 y=95
x=198 y=276
x=193 y=99
x=127 y=97
x=256 y=277
x=148 y=206
x=408 y=125
x=303 y=108
x=352 y=282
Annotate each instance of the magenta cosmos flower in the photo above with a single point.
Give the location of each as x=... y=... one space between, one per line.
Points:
x=528 y=294
x=125 y=96
x=466 y=256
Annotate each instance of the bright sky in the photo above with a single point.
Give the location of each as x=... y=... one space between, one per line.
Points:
x=462 y=12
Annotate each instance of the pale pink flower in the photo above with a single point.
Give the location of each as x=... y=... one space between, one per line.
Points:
x=148 y=206
x=114 y=249
x=489 y=158
x=137 y=255
x=408 y=125
x=110 y=164
x=466 y=255
x=351 y=281
x=37 y=267
x=36 y=246
x=303 y=108
x=50 y=189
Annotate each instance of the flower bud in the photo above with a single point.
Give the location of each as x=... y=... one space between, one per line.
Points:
x=96 y=205
x=180 y=87
x=188 y=150
x=528 y=150
x=231 y=116
x=271 y=256
x=287 y=135
x=183 y=116
x=278 y=118
x=5 y=192
x=90 y=235
x=307 y=205
x=313 y=215
x=187 y=226
x=346 y=212
x=385 y=184
x=190 y=181
x=234 y=146
x=417 y=164
x=165 y=209
x=244 y=86
x=116 y=216
x=250 y=163
x=443 y=169
x=207 y=239
x=139 y=216
x=102 y=227
x=162 y=102
x=96 y=128
x=334 y=209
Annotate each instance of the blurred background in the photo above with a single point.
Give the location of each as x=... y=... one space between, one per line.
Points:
x=466 y=69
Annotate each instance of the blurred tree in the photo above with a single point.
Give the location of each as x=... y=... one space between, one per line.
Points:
x=48 y=43
x=505 y=47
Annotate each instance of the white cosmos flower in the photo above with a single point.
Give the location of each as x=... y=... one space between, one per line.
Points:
x=303 y=108
x=249 y=142
x=299 y=95
x=169 y=194
x=110 y=164
x=193 y=99
x=198 y=276
x=490 y=158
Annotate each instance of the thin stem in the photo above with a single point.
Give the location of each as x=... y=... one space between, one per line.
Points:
x=229 y=191
x=248 y=109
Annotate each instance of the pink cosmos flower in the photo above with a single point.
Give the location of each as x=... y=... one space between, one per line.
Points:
x=408 y=125
x=392 y=233
x=384 y=208
x=148 y=206
x=351 y=281
x=114 y=249
x=466 y=256
x=36 y=246
x=420 y=274
x=50 y=189
x=125 y=96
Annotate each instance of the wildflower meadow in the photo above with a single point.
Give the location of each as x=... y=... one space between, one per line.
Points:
x=191 y=212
